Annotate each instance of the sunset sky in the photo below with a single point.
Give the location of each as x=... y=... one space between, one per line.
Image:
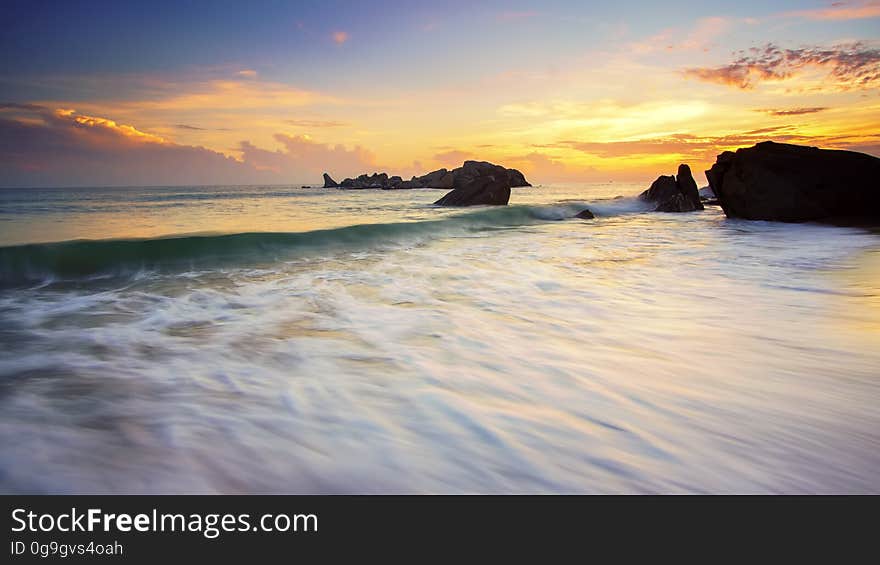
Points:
x=156 y=93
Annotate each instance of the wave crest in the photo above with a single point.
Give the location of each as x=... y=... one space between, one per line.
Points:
x=84 y=259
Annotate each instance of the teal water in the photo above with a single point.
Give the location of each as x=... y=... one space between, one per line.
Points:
x=278 y=339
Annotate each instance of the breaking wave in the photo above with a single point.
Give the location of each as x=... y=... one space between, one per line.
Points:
x=83 y=259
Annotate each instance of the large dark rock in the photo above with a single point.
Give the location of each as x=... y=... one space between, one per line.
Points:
x=795 y=183
x=674 y=194
x=329 y=182
x=473 y=169
x=585 y=214
x=492 y=187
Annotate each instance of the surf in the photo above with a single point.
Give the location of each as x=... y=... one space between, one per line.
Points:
x=111 y=258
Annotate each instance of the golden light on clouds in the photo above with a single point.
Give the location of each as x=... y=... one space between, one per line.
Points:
x=627 y=109
x=96 y=122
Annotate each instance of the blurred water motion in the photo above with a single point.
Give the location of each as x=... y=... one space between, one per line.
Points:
x=637 y=352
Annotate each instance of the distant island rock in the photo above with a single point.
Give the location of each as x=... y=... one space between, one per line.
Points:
x=441 y=178
x=794 y=183
x=673 y=194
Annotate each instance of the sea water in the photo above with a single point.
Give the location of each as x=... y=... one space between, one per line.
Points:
x=287 y=340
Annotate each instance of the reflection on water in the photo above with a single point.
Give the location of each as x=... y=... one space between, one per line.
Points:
x=632 y=353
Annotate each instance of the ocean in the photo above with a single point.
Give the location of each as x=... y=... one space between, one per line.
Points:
x=286 y=340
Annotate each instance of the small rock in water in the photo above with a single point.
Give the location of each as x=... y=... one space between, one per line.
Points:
x=585 y=214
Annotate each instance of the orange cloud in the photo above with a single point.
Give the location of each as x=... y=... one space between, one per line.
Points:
x=122 y=129
x=340 y=37
x=791 y=111
x=218 y=104
x=850 y=66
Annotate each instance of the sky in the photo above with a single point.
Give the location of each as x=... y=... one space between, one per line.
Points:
x=188 y=92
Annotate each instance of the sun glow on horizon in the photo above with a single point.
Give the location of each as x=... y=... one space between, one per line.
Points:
x=629 y=107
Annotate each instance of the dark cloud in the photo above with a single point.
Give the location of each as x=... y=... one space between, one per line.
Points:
x=791 y=111
x=62 y=148
x=26 y=107
x=766 y=131
x=850 y=66
x=44 y=147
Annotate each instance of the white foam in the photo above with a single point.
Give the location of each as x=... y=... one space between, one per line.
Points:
x=637 y=353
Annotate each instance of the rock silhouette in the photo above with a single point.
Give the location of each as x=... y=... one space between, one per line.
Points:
x=795 y=183
x=490 y=186
x=441 y=178
x=674 y=194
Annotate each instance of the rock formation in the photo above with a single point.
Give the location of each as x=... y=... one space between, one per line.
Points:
x=489 y=186
x=794 y=183
x=585 y=214
x=674 y=194
x=441 y=178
